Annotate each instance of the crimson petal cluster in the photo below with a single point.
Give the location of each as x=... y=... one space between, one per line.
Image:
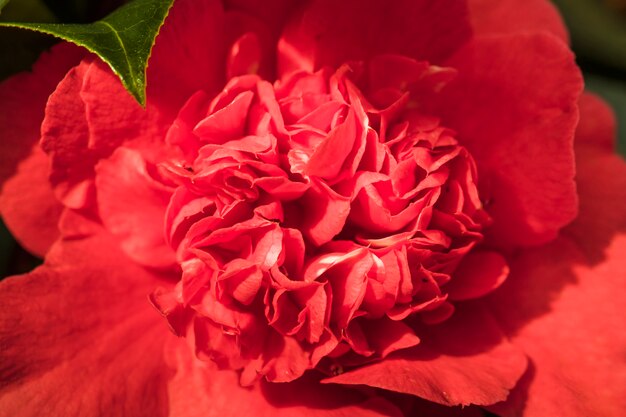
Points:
x=323 y=194
x=313 y=218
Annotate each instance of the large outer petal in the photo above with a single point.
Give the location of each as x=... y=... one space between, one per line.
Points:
x=569 y=319
x=87 y=117
x=79 y=338
x=597 y=126
x=27 y=204
x=199 y=390
x=601 y=180
x=189 y=54
x=22 y=101
x=514 y=105
x=510 y=16
x=330 y=32
x=274 y=13
x=465 y=360
x=132 y=207
x=569 y=298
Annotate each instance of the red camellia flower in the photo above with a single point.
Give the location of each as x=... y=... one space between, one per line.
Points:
x=331 y=208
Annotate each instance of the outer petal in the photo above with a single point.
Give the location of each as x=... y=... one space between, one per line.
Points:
x=601 y=181
x=514 y=106
x=27 y=203
x=132 y=206
x=79 y=338
x=479 y=273
x=510 y=16
x=273 y=12
x=464 y=361
x=65 y=138
x=569 y=319
x=198 y=390
x=22 y=102
x=569 y=299
x=597 y=124
x=331 y=32
x=87 y=118
x=28 y=206
x=189 y=54
x=265 y=21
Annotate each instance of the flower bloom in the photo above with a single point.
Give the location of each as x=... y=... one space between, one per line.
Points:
x=332 y=208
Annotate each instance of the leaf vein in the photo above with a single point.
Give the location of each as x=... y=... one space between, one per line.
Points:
x=121 y=42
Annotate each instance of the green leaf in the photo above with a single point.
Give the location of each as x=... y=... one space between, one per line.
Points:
x=614 y=92
x=123 y=39
x=598 y=33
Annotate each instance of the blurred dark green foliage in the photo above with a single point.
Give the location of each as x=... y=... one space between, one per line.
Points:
x=598 y=33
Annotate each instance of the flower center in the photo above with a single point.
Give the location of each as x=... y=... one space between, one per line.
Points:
x=318 y=219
